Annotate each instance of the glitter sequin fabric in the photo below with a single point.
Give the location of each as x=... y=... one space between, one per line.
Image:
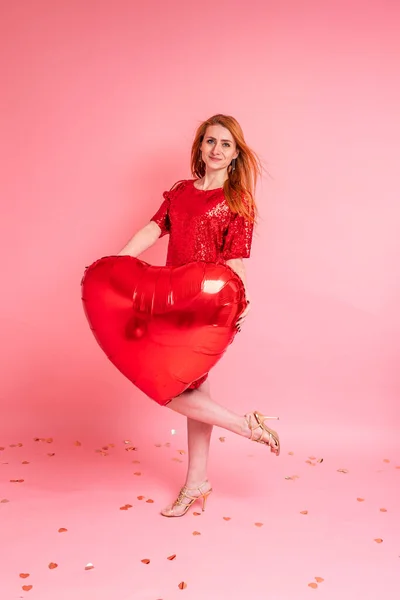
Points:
x=202 y=227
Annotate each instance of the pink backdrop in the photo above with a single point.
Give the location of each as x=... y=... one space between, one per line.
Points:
x=100 y=102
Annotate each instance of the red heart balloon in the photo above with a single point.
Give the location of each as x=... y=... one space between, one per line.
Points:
x=162 y=327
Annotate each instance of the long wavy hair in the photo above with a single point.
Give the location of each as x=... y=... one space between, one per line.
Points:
x=239 y=188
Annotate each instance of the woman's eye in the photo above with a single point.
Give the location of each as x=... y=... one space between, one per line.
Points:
x=208 y=141
x=227 y=144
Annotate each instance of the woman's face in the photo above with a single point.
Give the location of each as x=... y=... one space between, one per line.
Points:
x=218 y=148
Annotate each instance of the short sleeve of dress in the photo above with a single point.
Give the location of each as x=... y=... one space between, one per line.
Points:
x=237 y=238
x=162 y=215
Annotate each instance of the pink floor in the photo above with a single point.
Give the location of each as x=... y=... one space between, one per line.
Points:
x=255 y=539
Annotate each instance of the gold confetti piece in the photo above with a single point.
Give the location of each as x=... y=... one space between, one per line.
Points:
x=25 y=462
x=342 y=471
x=16 y=480
x=77 y=443
x=112 y=445
x=49 y=440
x=386 y=460
x=383 y=510
x=182 y=585
x=53 y=565
x=137 y=473
x=130 y=449
x=127 y=442
x=360 y=499
x=226 y=518
x=291 y=453
x=304 y=512
x=149 y=501
x=145 y=561
x=319 y=579
x=51 y=454
x=288 y=478
x=89 y=566
x=313 y=585
x=172 y=557
x=4 y=501
x=221 y=439
x=181 y=452
x=27 y=588
x=308 y=462
x=196 y=533
x=24 y=575
x=320 y=460
x=196 y=514
x=141 y=497
x=258 y=524
x=378 y=540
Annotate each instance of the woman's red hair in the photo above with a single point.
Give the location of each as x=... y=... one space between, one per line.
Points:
x=240 y=186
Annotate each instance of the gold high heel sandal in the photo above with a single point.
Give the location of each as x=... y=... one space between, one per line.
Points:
x=260 y=424
x=185 y=495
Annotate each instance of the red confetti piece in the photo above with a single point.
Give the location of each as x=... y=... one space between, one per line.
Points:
x=196 y=533
x=76 y=443
x=89 y=566
x=145 y=561
x=304 y=512
x=182 y=585
x=378 y=540
x=226 y=518
x=17 y=480
x=291 y=453
x=319 y=579
x=221 y=439
x=383 y=510
x=49 y=440
x=62 y=530
x=360 y=499
x=51 y=454
x=149 y=501
x=130 y=449
x=258 y=524
x=53 y=565
x=313 y=585
x=386 y=460
x=172 y=557
x=125 y=507
x=24 y=575
x=196 y=514
x=137 y=473
x=4 y=501
x=2 y=448
x=27 y=588
x=25 y=462
x=312 y=457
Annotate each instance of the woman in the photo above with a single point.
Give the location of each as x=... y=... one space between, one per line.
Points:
x=210 y=219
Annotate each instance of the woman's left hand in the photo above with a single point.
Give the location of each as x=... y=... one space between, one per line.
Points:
x=243 y=316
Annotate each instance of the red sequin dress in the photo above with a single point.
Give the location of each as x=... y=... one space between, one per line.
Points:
x=202 y=227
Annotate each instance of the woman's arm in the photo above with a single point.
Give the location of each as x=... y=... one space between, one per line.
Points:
x=142 y=240
x=237 y=265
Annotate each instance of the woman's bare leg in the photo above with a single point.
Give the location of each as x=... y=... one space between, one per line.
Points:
x=202 y=413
